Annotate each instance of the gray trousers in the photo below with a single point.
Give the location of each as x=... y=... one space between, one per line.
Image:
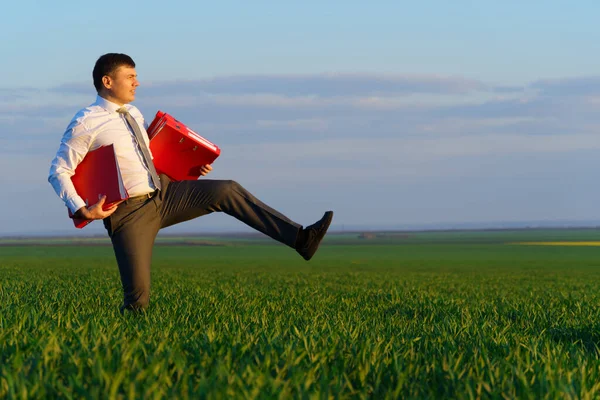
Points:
x=134 y=226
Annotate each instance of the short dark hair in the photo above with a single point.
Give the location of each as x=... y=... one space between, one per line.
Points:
x=108 y=64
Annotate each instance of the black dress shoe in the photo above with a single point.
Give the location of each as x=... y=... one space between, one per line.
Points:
x=311 y=236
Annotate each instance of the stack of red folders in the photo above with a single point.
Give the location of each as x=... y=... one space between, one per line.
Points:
x=178 y=151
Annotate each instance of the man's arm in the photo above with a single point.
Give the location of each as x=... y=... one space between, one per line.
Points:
x=74 y=145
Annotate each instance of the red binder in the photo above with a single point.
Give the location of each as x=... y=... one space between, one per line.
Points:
x=97 y=175
x=178 y=151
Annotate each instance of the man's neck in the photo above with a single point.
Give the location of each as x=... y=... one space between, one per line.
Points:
x=110 y=98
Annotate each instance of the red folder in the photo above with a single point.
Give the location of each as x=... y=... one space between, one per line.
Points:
x=97 y=175
x=178 y=151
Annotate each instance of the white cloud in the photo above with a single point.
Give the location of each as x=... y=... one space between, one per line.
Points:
x=418 y=149
x=309 y=124
x=376 y=159
x=324 y=85
x=579 y=86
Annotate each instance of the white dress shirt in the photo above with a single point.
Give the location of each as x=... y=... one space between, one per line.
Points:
x=92 y=127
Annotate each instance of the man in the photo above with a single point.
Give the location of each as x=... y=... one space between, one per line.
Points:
x=155 y=202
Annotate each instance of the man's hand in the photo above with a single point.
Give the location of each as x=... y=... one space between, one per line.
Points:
x=96 y=211
x=205 y=169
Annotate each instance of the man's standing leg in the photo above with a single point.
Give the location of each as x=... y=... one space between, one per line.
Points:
x=132 y=229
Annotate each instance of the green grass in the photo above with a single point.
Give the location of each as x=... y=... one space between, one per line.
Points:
x=384 y=318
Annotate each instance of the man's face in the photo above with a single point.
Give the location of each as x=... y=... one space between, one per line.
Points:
x=121 y=85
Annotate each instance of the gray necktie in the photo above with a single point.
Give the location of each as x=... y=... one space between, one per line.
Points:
x=141 y=145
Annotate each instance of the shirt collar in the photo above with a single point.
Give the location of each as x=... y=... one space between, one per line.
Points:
x=108 y=105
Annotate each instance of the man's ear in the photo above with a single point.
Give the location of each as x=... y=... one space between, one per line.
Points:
x=107 y=81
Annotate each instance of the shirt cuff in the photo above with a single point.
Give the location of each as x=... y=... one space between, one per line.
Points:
x=75 y=204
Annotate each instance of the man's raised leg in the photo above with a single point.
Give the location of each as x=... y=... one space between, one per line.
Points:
x=186 y=200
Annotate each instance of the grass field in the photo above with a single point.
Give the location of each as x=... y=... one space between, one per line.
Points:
x=421 y=315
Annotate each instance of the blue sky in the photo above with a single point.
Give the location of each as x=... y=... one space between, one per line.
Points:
x=394 y=114
x=512 y=41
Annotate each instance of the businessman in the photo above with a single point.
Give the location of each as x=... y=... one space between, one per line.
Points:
x=155 y=202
